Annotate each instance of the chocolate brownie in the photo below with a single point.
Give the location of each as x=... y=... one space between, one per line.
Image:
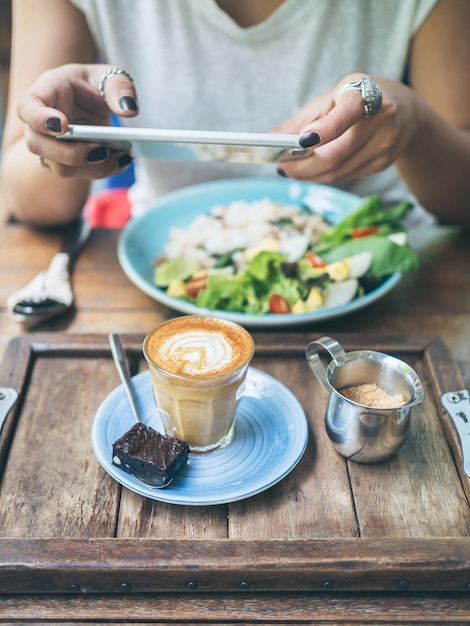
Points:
x=153 y=458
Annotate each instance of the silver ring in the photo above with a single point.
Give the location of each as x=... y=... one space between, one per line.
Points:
x=109 y=73
x=41 y=162
x=371 y=95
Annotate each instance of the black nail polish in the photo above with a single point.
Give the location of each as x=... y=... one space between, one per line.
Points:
x=97 y=154
x=127 y=103
x=54 y=124
x=281 y=172
x=309 y=139
x=124 y=160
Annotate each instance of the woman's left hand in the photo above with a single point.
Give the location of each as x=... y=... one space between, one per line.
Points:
x=346 y=144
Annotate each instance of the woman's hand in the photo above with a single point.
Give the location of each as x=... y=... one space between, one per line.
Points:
x=347 y=145
x=70 y=94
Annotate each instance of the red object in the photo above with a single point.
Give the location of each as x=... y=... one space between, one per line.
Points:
x=278 y=304
x=195 y=285
x=366 y=231
x=315 y=260
x=108 y=209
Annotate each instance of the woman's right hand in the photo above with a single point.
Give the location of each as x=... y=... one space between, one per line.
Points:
x=70 y=94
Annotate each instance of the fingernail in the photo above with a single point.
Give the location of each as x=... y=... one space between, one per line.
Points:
x=128 y=103
x=54 y=124
x=309 y=139
x=124 y=160
x=97 y=154
x=281 y=172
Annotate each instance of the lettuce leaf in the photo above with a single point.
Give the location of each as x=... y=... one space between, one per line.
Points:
x=180 y=268
x=387 y=256
x=370 y=213
x=249 y=290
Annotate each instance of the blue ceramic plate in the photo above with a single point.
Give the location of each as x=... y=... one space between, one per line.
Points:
x=270 y=436
x=144 y=239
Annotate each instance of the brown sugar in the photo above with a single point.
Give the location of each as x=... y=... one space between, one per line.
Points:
x=370 y=394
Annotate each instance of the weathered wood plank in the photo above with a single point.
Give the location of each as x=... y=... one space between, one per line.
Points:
x=59 y=488
x=145 y=518
x=152 y=565
x=320 y=609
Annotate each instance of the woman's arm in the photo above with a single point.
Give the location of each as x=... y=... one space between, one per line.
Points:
x=54 y=82
x=436 y=162
x=45 y=34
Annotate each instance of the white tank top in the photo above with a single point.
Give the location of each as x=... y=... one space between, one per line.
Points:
x=195 y=68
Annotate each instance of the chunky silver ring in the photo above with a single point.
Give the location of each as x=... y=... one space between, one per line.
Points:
x=371 y=94
x=42 y=163
x=109 y=73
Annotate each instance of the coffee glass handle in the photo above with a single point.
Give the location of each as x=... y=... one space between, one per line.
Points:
x=334 y=349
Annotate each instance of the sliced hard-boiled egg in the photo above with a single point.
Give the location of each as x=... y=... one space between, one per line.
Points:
x=351 y=267
x=339 y=270
x=177 y=289
x=399 y=238
x=360 y=263
x=299 y=307
x=338 y=294
x=314 y=300
x=312 y=303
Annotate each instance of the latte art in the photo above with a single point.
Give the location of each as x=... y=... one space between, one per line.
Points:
x=198 y=352
x=199 y=347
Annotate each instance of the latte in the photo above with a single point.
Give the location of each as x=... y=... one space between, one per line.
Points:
x=198 y=366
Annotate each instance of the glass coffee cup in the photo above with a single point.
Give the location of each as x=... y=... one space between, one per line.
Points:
x=198 y=366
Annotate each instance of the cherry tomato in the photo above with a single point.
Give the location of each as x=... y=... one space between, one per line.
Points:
x=365 y=231
x=278 y=304
x=315 y=260
x=195 y=285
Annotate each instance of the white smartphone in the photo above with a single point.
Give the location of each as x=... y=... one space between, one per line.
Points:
x=194 y=145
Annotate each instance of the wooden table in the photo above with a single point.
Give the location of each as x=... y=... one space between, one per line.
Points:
x=333 y=543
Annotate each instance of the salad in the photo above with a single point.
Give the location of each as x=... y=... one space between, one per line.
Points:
x=270 y=257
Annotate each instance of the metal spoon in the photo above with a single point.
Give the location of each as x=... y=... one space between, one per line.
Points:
x=120 y=361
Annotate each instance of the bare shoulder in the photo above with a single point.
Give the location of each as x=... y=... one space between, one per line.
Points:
x=57 y=22
x=440 y=58
x=45 y=34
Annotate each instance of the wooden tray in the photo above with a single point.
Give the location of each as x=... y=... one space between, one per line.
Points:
x=68 y=527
